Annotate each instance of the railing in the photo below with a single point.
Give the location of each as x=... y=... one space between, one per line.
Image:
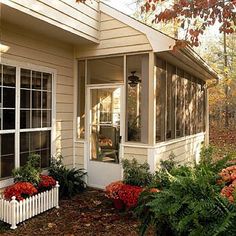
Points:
x=13 y=212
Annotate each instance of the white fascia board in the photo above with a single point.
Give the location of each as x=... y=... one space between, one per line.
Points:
x=192 y=54
x=159 y=41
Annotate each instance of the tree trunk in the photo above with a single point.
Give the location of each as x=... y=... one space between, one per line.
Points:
x=226 y=83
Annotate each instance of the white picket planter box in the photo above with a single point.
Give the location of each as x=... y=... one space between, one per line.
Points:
x=13 y=212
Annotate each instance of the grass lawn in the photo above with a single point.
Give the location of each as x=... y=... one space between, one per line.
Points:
x=89 y=213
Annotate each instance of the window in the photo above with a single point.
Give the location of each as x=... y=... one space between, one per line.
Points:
x=35 y=113
x=180 y=102
x=7 y=119
x=137 y=102
x=32 y=127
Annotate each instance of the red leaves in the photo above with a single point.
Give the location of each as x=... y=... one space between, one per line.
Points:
x=197 y=15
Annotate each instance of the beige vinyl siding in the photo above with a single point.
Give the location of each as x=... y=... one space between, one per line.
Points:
x=28 y=47
x=79 y=154
x=185 y=150
x=116 y=37
x=139 y=153
x=80 y=19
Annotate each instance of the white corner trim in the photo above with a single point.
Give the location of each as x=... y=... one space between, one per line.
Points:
x=151 y=159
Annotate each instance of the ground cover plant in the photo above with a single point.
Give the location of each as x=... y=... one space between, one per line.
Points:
x=71 y=180
x=190 y=201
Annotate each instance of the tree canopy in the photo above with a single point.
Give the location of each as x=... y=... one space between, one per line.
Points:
x=195 y=16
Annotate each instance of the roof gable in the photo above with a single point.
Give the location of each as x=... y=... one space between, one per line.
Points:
x=159 y=41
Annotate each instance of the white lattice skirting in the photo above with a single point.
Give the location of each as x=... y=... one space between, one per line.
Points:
x=13 y=212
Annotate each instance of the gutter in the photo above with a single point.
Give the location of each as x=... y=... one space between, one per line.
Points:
x=195 y=57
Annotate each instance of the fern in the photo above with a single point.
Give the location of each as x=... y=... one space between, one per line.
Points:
x=189 y=203
x=71 y=180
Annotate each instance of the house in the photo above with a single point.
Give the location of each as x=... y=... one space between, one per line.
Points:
x=95 y=85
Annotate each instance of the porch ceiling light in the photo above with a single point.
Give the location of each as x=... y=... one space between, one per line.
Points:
x=133 y=79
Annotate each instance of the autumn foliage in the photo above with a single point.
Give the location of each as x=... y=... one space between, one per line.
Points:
x=195 y=16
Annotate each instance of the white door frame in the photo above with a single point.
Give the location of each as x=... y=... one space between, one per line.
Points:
x=88 y=125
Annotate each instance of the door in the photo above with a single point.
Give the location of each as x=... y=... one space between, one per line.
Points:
x=104 y=135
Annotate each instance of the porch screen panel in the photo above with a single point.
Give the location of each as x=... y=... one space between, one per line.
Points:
x=7 y=119
x=136 y=101
x=180 y=104
x=188 y=105
x=81 y=101
x=170 y=106
x=105 y=70
x=35 y=115
x=160 y=100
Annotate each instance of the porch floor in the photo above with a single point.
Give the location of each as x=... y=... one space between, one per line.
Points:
x=88 y=213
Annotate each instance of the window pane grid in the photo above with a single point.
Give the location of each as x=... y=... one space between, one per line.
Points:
x=35 y=108
x=37 y=113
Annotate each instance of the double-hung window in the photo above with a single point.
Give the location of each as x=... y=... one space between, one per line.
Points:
x=25 y=117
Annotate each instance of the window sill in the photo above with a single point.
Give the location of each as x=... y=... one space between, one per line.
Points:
x=6 y=182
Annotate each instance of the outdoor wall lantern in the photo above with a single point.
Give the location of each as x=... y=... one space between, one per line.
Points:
x=133 y=79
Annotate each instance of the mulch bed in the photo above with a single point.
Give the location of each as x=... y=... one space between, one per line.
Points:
x=224 y=140
x=89 y=213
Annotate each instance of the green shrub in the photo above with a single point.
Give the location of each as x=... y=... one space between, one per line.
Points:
x=136 y=174
x=71 y=180
x=190 y=202
x=30 y=172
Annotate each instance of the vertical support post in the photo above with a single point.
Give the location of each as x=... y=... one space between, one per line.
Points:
x=206 y=114
x=152 y=100
x=13 y=212
x=57 y=194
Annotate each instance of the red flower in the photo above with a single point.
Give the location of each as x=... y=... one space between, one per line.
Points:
x=20 y=190
x=113 y=189
x=228 y=176
x=46 y=183
x=129 y=195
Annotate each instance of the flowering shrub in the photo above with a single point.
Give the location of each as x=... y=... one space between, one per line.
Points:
x=112 y=190
x=46 y=183
x=129 y=195
x=20 y=190
x=228 y=177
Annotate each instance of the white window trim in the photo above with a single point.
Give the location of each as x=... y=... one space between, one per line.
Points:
x=4 y=182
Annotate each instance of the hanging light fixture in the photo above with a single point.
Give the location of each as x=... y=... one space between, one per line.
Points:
x=133 y=79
